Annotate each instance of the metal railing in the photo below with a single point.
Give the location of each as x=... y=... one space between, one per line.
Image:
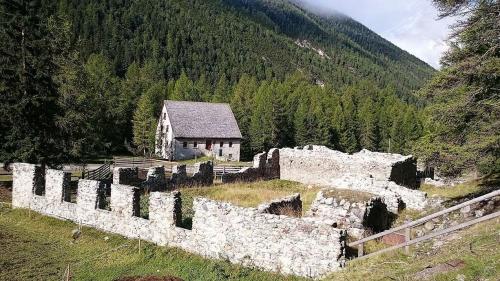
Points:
x=407 y=227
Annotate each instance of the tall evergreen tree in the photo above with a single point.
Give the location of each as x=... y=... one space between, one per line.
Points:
x=241 y=104
x=28 y=93
x=465 y=97
x=368 y=125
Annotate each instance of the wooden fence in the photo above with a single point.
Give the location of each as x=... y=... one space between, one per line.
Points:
x=101 y=173
x=407 y=227
x=140 y=162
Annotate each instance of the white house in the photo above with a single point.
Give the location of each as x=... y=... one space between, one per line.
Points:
x=188 y=129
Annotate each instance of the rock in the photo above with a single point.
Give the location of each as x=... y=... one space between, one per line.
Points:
x=429 y=225
x=479 y=213
x=465 y=210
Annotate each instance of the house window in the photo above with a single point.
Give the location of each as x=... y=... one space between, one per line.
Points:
x=220 y=152
x=166 y=129
x=221 y=144
x=185 y=144
x=230 y=156
x=230 y=144
x=195 y=144
x=164 y=115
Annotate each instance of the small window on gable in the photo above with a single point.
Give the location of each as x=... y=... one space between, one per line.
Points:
x=221 y=144
x=166 y=129
x=164 y=115
x=185 y=144
x=230 y=144
x=195 y=144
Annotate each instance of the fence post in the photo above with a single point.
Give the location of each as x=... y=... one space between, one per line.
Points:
x=360 y=250
x=407 y=239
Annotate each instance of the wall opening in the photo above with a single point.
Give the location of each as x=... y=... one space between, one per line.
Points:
x=39 y=184
x=187 y=213
x=70 y=192
x=144 y=203
x=104 y=197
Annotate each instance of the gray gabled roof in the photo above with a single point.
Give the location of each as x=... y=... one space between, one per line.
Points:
x=202 y=120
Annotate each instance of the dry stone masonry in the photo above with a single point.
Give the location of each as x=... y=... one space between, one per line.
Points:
x=156 y=181
x=246 y=236
x=265 y=167
x=390 y=176
x=354 y=215
x=288 y=206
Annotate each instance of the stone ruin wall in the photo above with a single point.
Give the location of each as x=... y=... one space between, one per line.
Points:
x=355 y=216
x=265 y=167
x=287 y=206
x=245 y=236
x=156 y=181
x=365 y=171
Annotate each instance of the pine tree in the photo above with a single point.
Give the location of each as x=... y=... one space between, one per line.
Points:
x=145 y=124
x=368 y=125
x=203 y=89
x=241 y=104
x=222 y=91
x=183 y=88
x=28 y=93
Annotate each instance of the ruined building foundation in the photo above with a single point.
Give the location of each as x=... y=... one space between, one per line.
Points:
x=390 y=176
x=248 y=236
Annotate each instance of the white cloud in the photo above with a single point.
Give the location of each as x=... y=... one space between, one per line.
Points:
x=412 y=25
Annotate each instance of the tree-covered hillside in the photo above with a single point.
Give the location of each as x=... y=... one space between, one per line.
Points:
x=87 y=78
x=233 y=37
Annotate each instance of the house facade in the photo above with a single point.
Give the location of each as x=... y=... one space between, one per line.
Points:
x=193 y=129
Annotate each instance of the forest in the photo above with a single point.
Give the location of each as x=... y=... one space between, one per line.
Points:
x=82 y=79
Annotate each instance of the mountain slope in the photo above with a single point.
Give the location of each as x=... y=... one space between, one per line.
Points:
x=232 y=37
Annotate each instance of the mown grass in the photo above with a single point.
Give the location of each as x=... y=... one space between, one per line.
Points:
x=35 y=247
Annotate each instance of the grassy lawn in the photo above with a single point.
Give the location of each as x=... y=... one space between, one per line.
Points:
x=252 y=194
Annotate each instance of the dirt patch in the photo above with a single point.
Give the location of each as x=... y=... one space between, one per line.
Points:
x=150 y=278
x=430 y=271
x=5 y=192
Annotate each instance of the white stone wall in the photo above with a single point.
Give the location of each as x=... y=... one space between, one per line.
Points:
x=220 y=230
x=228 y=153
x=277 y=243
x=364 y=171
x=349 y=214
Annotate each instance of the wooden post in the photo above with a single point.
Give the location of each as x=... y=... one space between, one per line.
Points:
x=360 y=250
x=407 y=239
x=139 y=245
x=68 y=274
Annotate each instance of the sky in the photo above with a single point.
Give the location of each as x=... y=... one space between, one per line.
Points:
x=412 y=25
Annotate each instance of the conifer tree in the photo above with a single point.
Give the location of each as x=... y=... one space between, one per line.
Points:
x=222 y=90
x=368 y=125
x=183 y=88
x=28 y=93
x=242 y=106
